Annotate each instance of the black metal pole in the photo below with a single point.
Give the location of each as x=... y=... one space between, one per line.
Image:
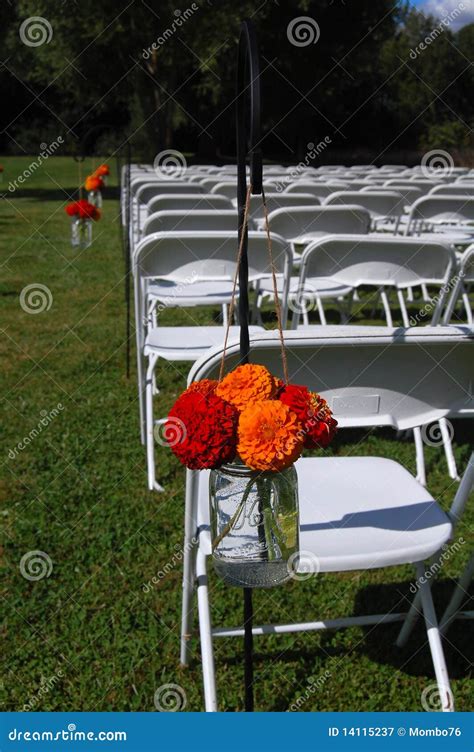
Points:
x=248 y=63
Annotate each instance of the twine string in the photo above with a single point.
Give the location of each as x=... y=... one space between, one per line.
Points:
x=274 y=282
x=275 y=289
x=236 y=276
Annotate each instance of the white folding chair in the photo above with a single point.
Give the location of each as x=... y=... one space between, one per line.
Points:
x=144 y=191
x=321 y=190
x=424 y=186
x=453 y=609
x=460 y=290
x=393 y=263
x=382 y=206
x=302 y=225
x=409 y=194
x=454 y=189
x=356 y=513
x=188 y=202
x=201 y=220
x=428 y=212
x=188 y=269
x=279 y=201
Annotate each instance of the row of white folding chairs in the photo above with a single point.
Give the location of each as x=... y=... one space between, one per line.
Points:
x=197 y=269
x=185 y=270
x=384 y=207
x=370 y=378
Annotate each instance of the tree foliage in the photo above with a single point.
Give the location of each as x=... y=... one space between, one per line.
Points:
x=166 y=76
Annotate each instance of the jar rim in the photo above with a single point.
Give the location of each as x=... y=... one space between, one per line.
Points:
x=237 y=467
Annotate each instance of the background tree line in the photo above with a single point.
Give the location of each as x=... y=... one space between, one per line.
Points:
x=165 y=76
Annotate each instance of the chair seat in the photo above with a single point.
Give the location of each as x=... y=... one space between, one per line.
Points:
x=174 y=293
x=324 y=287
x=188 y=343
x=357 y=513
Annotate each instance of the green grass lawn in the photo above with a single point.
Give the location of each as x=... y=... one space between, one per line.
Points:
x=91 y=636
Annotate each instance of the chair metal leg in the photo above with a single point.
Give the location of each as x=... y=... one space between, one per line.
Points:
x=425 y=293
x=153 y=485
x=386 y=306
x=448 y=449
x=403 y=308
x=322 y=314
x=420 y=456
x=189 y=565
x=434 y=639
x=225 y=315
x=207 y=653
x=467 y=308
x=460 y=592
x=256 y=314
x=141 y=394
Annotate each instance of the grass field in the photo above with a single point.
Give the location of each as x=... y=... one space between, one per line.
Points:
x=91 y=635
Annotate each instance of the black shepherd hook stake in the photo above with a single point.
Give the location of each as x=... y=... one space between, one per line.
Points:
x=247 y=146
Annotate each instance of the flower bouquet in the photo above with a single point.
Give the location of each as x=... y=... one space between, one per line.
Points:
x=83 y=214
x=93 y=185
x=103 y=172
x=249 y=429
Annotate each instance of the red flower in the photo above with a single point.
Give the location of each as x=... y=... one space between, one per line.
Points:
x=202 y=429
x=205 y=386
x=82 y=209
x=298 y=399
x=319 y=426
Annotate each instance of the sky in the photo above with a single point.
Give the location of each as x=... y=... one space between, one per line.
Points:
x=441 y=9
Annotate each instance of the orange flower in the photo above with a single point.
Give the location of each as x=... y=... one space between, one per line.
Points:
x=270 y=436
x=246 y=385
x=102 y=169
x=93 y=183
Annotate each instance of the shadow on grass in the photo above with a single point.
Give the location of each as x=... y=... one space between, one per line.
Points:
x=57 y=194
x=414 y=658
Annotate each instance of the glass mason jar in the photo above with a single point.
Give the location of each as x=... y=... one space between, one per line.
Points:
x=95 y=198
x=254 y=525
x=81 y=233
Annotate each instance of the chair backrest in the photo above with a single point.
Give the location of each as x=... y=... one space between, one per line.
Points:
x=150 y=189
x=378 y=203
x=208 y=255
x=452 y=209
x=379 y=261
x=425 y=186
x=188 y=202
x=296 y=222
x=199 y=220
x=465 y=274
x=370 y=376
x=409 y=194
x=188 y=257
x=454 y=189
x=208 y=183
x=280 y=201
x=226 y=188
x=321 y=190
